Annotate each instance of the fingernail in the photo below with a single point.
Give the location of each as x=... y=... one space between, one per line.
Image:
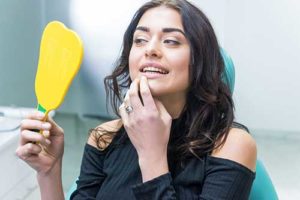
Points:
x=40 y=114
x=46 y=134
x=48 y=141
x=46 y=125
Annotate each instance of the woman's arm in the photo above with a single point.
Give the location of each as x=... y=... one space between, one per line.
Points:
x=43 y=152
x=91 y=173
x=229 y=173
x=148 y=127
x=239 y=147
x=51 y=183
x=230 y=170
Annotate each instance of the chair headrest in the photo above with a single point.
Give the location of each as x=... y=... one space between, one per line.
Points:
x=229 y=72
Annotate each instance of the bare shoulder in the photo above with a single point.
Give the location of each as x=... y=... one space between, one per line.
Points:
x=239 y=147
x=99 y=131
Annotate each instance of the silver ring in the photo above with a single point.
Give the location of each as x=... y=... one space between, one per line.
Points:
x=128 y=109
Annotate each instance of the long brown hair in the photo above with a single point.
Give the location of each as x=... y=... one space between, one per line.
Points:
x=209 y=110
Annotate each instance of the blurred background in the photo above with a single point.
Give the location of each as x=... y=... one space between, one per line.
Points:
x=262 y=37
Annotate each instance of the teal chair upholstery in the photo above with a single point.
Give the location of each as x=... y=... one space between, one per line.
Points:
x=229 y=73
x=262 y=188
x=71 y=190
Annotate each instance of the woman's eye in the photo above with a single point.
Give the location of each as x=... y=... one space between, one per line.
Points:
x=139 y=41
x=171 y=42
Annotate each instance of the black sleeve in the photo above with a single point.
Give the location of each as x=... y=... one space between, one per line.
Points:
x=224 y=180
x=158 y=188
x=91 y=174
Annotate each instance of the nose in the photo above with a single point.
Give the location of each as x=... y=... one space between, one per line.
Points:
x=153 y=49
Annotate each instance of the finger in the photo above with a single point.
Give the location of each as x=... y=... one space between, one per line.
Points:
x=162 y=109
x=46 y=134
x=133 y=94
x=31 y=136
x=34 y=124
x=126 y=104
x=32 y=149
x=55 y=128
x=123 y=114
x=126 y=98
x=38 y=115
x=146 y=94
x=28 y=150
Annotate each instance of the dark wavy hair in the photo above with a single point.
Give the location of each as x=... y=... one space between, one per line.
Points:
x=209 y=111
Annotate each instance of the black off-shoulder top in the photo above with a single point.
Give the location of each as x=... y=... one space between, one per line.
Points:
x=114 y=174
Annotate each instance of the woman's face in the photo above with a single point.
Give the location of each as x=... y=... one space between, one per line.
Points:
x=161 y=52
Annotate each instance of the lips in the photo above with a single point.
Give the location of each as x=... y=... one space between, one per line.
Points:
x=153 y=68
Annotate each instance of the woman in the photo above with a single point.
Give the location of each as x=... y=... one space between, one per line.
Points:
x=175 y=138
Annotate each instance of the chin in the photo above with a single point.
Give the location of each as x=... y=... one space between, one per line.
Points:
x=156 y=89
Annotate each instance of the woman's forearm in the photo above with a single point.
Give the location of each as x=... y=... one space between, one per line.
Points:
x=51 y=183
x=152 y=168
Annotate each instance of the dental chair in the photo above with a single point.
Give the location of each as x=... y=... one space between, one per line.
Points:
x=262 y=188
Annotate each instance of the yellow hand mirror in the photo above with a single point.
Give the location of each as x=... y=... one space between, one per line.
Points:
x=60 y=57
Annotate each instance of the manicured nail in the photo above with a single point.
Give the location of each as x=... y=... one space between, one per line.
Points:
x=46 y=125
x=40 y=114
x=48 y=141
x=46 y=134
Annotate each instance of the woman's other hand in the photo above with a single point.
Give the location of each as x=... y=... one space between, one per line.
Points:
x=148 y=127
x=40 y=151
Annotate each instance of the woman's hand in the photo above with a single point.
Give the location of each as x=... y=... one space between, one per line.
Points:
x=148 y=127
x=39 y=151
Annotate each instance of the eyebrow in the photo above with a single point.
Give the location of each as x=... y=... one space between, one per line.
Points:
x=165 y=30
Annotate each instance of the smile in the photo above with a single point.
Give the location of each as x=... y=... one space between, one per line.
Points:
x=154 y=70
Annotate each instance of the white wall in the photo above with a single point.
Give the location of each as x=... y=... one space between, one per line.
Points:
x=263 y=38
x=20 y=26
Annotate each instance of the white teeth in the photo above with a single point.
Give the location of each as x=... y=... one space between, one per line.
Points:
x=154 y=69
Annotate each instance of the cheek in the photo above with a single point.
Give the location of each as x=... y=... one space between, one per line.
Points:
x=182 y=79
x=182 y=63
x=182 y=70
x=180 y=58
x=133 y=64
